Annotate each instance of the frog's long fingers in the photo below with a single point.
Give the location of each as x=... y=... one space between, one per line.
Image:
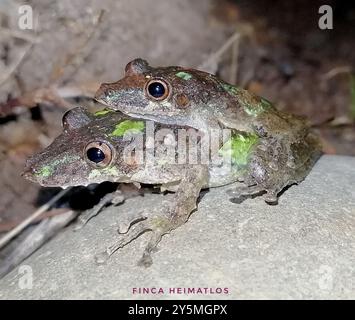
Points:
x=128 y=220
x=167 y=218
x=134 y=233
x=245 y=191
x=173 y=215
x=87 y=215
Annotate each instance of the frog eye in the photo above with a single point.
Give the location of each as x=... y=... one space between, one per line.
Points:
x=157 y=89
x=98 y=154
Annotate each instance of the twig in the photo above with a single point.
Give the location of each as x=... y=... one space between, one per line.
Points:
x=335 y=71
x=54 y=95
x=6 y=226
x=20 y=35
x=12 y=68
x=212 y=60
x=73 y=57
x=31 y=41
x=234 y=64
x=14 y=232
x=38 y=236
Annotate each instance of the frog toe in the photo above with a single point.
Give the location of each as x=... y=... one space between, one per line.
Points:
x=132 y=229
x=125 y=221
x=133 y=233
x=271 y=197
x=146 y=260
x=244 y=191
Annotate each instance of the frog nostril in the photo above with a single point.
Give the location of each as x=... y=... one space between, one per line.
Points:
x=28 y=173
x=110 y=93
x=103 y=92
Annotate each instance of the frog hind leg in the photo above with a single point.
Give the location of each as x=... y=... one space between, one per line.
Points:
x=269 y=171
x=170 y=216
x=263 y=183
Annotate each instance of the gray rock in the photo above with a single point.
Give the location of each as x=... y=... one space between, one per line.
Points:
x=303 y=248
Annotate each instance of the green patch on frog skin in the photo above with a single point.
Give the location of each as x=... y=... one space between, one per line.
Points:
x=94 y=174
x=47 y=170
x=127 y=126
x=256 y=108
x=230 y=89
x=112 y=171
x=102 y=112
x=239 y=147
x=184 y=75
x=252 y=105
x=160 y=222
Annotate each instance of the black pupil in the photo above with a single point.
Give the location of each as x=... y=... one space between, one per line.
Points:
x=95 y=155
x=156 y=89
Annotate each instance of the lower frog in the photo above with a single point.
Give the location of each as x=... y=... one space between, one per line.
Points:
x=109 y=146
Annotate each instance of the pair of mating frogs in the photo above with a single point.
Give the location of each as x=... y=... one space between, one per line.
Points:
x=267 y=149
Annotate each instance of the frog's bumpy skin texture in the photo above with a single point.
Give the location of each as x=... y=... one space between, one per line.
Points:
x=270 y=170
x=203 y=101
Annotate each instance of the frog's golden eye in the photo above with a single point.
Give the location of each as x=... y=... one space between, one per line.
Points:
x=157 y=89
x=98 y=154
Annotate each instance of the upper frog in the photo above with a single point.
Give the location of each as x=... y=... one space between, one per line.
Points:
x=177 y=95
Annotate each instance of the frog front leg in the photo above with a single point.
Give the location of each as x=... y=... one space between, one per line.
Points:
x=114 y=198
x=170 y=216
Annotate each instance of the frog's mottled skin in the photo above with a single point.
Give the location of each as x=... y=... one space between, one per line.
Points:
x=203 y=101
x=261 y=162
x=197 y=99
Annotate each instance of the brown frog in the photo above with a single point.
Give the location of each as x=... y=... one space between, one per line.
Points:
x=110 y=146
x=180 y=96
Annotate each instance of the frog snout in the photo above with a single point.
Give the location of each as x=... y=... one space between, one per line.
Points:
x=101 y=93
x=30 y=171
x=29 y=174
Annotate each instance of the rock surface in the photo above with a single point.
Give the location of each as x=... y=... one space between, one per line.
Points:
x=301 y=248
